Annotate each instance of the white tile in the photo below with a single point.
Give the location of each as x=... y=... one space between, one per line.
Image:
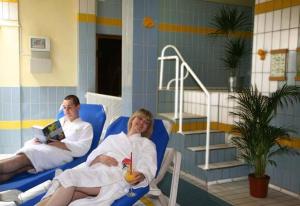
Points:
x=13 y=11
x=259 y=64
x=291 y=67
x=268 y=42
x=254 y=62
x=198 y=97
x=291 y=78
x=83 y=6
x=254 y=47
x=5 y=10
x=293 y=41
x=214 y=98
x=259 y=81
x=265 y=82
x=255 y=24
x=267 y=63
x=261 y=23
x=189 y=96
x=224 y=115
x=273 y=86
x=284 y=39
x=277 y=20
x=294 y=23
x=186 y=107
x=260 y=41
x=194 y=106
x=202 y=109
x=230 y=119
x=1 y=11
x=198 y=111
x=253 y=80
x=225 y=100
x=276 y=40
x=269 y=22
x=230 y=101
x=214 y=113
x=285 y=19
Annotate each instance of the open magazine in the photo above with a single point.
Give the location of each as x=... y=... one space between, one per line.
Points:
x=52 y=131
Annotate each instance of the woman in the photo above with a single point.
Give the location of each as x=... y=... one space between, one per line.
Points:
x=100 y=180
x=36 y=156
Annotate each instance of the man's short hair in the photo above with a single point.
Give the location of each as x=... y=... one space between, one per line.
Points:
x=73 y=98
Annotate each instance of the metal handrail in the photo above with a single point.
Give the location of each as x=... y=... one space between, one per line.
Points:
x=184 y=66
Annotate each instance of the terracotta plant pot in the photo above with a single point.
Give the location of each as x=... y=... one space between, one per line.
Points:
x=258 y=185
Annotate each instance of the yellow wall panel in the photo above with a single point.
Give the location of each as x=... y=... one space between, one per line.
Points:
x=9 y=56
x=56 y=20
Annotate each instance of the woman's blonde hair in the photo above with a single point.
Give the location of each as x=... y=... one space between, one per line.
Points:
x=145 y=114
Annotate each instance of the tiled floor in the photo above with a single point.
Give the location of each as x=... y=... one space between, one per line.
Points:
x=237 y=193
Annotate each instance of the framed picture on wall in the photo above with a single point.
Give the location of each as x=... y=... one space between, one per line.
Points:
x=278 y=64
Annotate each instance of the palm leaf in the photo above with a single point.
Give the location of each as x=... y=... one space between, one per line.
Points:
x=258 y=139
x=230 y=20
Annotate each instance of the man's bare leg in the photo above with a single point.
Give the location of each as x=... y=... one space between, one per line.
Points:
x=14 y=165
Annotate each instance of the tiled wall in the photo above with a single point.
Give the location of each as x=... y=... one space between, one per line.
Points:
x=109 y=17
x=145 y=47
x=201 y=51
x=24 y=105
x=275 y=29
x=87 y=48
x=10 y=111
x=221 y=105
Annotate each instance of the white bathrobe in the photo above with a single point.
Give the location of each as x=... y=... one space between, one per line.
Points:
x=110 y=179
x=79 y=136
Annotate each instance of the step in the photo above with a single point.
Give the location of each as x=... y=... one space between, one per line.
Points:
x=185 y=115
x=221 y=165
x=211 y=147
x=201 y=132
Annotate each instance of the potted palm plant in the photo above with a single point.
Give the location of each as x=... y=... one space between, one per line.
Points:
x=256 y=138
x=229 y=22
x=234 y=51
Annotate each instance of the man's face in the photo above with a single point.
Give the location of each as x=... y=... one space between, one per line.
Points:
x=70 y=110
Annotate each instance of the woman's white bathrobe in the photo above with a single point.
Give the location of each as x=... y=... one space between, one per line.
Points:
x=79 y=136
x=110 y=179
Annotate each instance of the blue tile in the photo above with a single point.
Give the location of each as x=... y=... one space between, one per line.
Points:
x=139 y=9
x=52 y=94
x=34 y=95
x=138 y=32
x=44 y=95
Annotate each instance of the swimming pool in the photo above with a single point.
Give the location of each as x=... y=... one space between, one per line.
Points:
x=190 y=195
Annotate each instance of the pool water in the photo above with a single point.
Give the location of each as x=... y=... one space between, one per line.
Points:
x=190 y=195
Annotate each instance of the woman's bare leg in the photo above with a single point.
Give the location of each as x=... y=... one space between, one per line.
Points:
x=44 y=201
x=63 y=196
x=83 y=192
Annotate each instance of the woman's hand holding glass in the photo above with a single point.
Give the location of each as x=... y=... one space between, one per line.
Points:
x=134 y=177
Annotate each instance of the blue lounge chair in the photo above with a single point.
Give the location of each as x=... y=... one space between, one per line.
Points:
x=92 y=113
x=159 y=136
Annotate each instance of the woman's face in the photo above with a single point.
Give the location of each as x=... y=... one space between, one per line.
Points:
x=139 y=124
x=70 y=109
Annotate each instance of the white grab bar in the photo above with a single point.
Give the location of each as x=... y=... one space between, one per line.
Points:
x=184 y=66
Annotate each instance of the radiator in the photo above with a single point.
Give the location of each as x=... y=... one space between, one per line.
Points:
x=112 y=105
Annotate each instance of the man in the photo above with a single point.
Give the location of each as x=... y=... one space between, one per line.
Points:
x=36 y=156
